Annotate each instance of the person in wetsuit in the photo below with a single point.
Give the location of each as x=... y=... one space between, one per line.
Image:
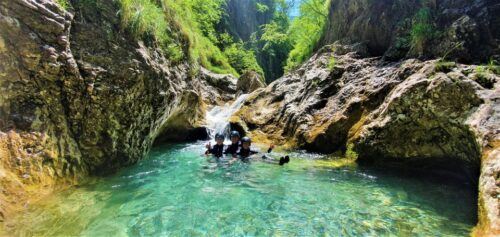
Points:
x=235 y=144
x=218 y=149
x=245 y=152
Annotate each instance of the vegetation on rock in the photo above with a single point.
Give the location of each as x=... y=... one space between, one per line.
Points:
x=187 y=30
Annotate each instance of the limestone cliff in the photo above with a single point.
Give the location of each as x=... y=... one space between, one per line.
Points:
x=80 y=95
x=463 y=29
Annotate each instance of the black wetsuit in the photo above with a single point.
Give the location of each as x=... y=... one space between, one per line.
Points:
x=216 y=150
x=245 y=153
x=233 y=149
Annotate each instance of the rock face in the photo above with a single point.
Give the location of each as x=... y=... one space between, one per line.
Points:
x=464 y=29
x=425 y=117
x=432 y=115
x=79 y=95
x=249 y=82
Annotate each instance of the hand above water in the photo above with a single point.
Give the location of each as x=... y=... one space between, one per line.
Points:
x=209 y=145
x=230 y=162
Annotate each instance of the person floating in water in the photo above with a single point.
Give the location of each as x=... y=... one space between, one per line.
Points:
x=235 y=144
x=245 y=152
x=218 y=149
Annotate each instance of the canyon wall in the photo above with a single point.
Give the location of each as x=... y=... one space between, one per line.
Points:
x=389 y=82
x=80 y=95
x=464 y=29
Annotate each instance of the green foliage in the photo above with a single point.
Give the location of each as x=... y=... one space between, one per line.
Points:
x=63 y=3
x=270 y=43
x=422 y=30
x=186 y=29
x=197 y=19
x=274 y=36
x=261 y=7
x=306 y=30
x=483 y=74
x=241 y=59
x=444 y=66
x=350 y=153
x=493 y=66
x=331 y=63
x=145 y=20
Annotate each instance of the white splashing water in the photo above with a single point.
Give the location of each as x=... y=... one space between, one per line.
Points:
x=218 y=117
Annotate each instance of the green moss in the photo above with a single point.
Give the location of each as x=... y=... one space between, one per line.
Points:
x=350 y=153
x=444 y=66
x=331 y=63
x=63 y=3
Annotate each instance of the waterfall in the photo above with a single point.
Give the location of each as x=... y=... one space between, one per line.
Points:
x=218 y=117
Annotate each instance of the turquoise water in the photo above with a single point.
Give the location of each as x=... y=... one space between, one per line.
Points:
x=178 y=192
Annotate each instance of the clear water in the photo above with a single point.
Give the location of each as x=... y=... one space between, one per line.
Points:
x=178 y=192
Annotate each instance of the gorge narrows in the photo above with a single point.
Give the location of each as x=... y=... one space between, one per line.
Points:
x=388 y=110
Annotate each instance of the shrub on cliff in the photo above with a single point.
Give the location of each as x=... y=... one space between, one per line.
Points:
x=422 y=30
x=185 y=29
x=63 y=3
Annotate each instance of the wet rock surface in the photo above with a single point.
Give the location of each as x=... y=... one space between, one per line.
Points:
x=79 y=95
x=427 y=115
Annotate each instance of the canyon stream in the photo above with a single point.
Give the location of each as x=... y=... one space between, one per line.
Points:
x=177 y=191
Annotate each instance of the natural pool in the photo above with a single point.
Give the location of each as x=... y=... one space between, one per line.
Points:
x=178 y=192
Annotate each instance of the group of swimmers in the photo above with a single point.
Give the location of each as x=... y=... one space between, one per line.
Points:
x=240 y=149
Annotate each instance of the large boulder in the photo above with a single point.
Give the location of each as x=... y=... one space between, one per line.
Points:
x=249 y=82
x=425 y=117
x=316 y=106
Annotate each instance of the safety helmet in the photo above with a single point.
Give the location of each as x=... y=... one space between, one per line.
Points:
x=219 y=136
x=235 y=134
x=246 y=139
